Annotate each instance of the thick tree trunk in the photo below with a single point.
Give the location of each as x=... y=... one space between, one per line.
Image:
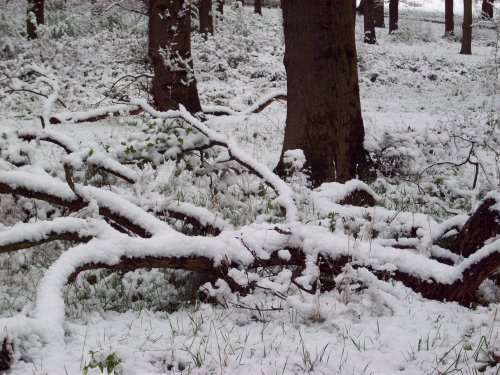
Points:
x=323 y=111
x=449 y=23
x=206 y=19
x=467 y=29
x=369 y=22
x=393 y=15
x=35 y=17
x=487 y=9
x=257 y=7
x=219 y=6
x=170 y=52
x=379 y=13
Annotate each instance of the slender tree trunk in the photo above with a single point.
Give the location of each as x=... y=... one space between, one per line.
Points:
x=393 y=15
x=323 y=111
x=206 y=19
x=369 y=22
x=220 y=6
x=467 y=29
x=170 y=51
x=257 y=7
x=449 y=23
x=487 y=9
x=378 y=9
x=35 y=17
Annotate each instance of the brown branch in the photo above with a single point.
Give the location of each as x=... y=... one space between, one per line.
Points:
x=261 y=107
x=75 y=204
x=195 y=222
x=73 y=236
x=28 y=137
x=461 y=291
x=54 y=120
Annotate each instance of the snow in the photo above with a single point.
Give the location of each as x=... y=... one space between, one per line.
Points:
x=364 y=325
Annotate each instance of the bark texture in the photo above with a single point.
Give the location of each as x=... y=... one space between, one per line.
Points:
x=487 y=9
x=484 y=224
x=449 y=23
x=361 y=8
x=379 y=13
x=257 y=7
x=323 y=111
x=467 y=29
x=369 y=22
x=393 y=15
x=170 y=52
x=35 y=17
x=206 y=19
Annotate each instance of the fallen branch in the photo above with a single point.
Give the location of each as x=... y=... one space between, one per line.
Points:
x=23 y=236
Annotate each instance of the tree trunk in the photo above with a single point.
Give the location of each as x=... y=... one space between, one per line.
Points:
x=206 y=19
x=379 y=13
x=35 y=17
x=393 y=15
x=467 y=29
x=361 y=8
x=369 y=22
x=449 y=23
x=220 y=6
x=170 y=51
x=487 y=9
x=323 y=111
x=258 y=7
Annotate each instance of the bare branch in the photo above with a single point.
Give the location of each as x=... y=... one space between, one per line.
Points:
x=23 y=236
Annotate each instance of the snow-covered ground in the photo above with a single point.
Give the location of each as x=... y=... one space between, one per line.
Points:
x=422 y=103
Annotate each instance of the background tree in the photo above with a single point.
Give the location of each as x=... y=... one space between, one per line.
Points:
x=487 y=9
x=35 y=17
x=170 y=52
x=219 y=4
x=206 y=19
x=378 y=9
x=467 y=29
x=369 y=22
x=393 y=15
x=449 y=23
x=323 y=111
x=258 y=6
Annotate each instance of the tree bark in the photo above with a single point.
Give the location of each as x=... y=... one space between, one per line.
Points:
x=173 y=82
x=35 y=17
x=467 y=29
x=449 y=23
x=461 y=291
x=361 y=8
x=487 y=9
x=393 y=15
x=220 y=6
x=370 y=36
x=481 y=226
x=206 y=19
x=379 y=13
x=323 y=111
x=258 y=7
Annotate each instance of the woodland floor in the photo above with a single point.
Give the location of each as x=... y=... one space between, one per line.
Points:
x=414 y=86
